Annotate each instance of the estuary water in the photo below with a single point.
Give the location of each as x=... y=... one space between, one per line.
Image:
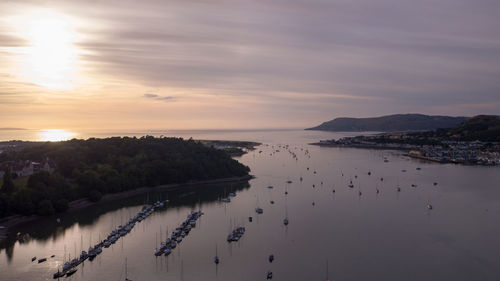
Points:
x=361 y=234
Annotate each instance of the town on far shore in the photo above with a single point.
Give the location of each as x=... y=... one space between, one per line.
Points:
x=459 y=152
x=476 y=141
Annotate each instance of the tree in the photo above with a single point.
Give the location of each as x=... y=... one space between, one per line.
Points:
x=95 y=195
x=61 y=205
x=8 y=185
x=45 y=208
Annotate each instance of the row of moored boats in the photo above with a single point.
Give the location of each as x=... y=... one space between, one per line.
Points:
x=69 y=267
x=178 y=234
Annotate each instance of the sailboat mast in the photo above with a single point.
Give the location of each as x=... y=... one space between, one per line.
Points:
x=326 y=269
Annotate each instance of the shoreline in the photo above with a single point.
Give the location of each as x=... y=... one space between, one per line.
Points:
x=79 y=204
x=403 y=149
x=364 y=146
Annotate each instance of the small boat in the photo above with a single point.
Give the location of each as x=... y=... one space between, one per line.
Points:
x=216 y=259
x=259 y=210
x=369 y=173
x=168 y=251
x=71 y=272
x=289 y=181
x=285 y=221
x=83 y=255
x=58 y=274
x=271 y=258
x=269 y=275
x=250 y=219
x=418 y=168
x=42 y=260
x=272 y=202
x=270 y=187
x=435 y=183
x=33 y=259
x=158 y=252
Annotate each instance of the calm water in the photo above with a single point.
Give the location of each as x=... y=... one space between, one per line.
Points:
x=385 y=236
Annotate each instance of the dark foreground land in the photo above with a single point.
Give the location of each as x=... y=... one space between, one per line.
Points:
x=72 y=174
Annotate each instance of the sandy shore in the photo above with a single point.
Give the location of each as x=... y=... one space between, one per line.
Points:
x=11 y=221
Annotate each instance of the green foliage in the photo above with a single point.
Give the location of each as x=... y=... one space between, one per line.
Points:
x=61 y=205
x=481 y=127
x=45 y=208
x=94 y=167
x=95 y=195
x=8 y=185
x=5 y=205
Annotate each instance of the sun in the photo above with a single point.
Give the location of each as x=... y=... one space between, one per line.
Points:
x=50 y=55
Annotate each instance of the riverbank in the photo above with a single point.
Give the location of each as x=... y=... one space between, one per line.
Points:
x=79 y=204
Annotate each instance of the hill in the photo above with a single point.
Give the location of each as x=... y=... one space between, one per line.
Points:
x=481 y=127
x=391 y=123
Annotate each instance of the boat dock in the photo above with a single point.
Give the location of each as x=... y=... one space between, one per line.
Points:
x=69 y=267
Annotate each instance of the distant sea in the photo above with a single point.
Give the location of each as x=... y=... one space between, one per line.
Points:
x=7 y=134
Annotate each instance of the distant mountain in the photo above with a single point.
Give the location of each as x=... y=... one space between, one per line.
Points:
x=391 y=123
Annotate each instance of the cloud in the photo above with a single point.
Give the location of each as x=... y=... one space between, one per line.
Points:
x=157 y=97
x=322 y=58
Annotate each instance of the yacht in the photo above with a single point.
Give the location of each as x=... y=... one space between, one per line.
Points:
x=71 y=272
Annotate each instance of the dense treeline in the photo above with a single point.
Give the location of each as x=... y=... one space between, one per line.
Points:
x=485 y=128
x=91 y=168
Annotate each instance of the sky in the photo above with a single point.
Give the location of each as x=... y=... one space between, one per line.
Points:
x=233 y=64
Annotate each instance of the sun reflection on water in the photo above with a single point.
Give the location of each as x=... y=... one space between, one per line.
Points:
x=55 y=135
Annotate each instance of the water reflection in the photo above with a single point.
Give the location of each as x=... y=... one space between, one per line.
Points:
x=55 y=135
x=191 y=197
x=386 y=235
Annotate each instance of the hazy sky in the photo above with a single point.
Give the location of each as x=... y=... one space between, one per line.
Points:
x=173 y=64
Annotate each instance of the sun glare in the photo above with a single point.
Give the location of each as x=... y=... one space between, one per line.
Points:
x=55 y=135
x=50 y=57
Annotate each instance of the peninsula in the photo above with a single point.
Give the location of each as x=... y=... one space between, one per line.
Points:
x=390 y=123
x=475 y=141
x=44 y=178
